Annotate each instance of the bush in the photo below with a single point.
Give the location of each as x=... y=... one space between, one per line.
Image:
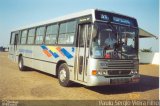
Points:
x=146 y=50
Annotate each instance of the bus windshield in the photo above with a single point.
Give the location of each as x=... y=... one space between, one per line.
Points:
x=114 y=41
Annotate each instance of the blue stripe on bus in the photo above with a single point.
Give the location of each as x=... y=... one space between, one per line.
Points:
x=73 y=49
x=66 y=53
x=55 y=55
x=44 y=47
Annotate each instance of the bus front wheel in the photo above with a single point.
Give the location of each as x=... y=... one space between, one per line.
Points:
x=20 y=64
x=63 y=75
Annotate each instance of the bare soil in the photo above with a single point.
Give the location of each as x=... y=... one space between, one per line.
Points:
x=31 y=84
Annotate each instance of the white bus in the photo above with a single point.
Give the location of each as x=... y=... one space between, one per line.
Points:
x=91 y=47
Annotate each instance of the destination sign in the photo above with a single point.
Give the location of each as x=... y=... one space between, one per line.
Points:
x=102 y=16
x=115 y=18
x=121 y=20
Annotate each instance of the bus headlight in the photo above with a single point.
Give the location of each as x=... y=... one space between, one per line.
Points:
x=134 y=72
x=99 y=72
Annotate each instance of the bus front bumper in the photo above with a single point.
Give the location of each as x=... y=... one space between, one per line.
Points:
x=102 y=80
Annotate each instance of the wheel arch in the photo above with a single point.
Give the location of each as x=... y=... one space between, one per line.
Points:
x=58 y=64
x=20 y=55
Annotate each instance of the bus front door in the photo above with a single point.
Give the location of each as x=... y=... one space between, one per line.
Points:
x=82 y=52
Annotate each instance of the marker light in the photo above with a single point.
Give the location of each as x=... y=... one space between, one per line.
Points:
x=94 y=72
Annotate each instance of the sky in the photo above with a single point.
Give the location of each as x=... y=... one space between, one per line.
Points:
x=17 y=13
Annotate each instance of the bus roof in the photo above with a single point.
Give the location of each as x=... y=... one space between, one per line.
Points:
x=58 y=19
x=65 y=17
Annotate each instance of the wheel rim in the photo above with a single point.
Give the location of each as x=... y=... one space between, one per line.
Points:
x=62 y=75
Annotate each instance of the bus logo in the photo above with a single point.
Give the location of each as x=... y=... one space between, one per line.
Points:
x=50 y=51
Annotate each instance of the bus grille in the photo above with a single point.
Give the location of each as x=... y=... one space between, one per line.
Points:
x=119 y=72
x=119 y=67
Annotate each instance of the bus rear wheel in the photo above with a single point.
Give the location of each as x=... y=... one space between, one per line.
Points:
x=63 y=75
x=20 y=64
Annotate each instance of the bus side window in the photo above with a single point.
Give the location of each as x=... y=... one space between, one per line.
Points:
x=67 y=32
x=51 y=34
x=16 y=39
x=24 y=37
x=19 y=37
x=31 y=35
x=40 y=32
x=12 y=38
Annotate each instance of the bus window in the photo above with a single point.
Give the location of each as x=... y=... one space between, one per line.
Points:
x=24 y=37
x=85 y=29
x=12 y=38
x=40 y=32
x=31 y=34
x=51 y=34
x=63 y=28
x=71 y=26
x=19 y=37
x=67 y=33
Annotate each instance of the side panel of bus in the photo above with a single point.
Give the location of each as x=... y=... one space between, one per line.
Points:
x=45 y=58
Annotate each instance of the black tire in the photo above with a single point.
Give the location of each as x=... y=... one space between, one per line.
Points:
x=20 y=64
x=63 y=75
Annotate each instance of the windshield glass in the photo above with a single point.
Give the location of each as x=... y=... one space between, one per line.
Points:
x=114 y=41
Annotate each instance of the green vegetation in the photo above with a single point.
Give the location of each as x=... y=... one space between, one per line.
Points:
x=147 y=50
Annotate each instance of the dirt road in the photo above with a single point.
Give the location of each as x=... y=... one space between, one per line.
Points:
x=29 y=85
